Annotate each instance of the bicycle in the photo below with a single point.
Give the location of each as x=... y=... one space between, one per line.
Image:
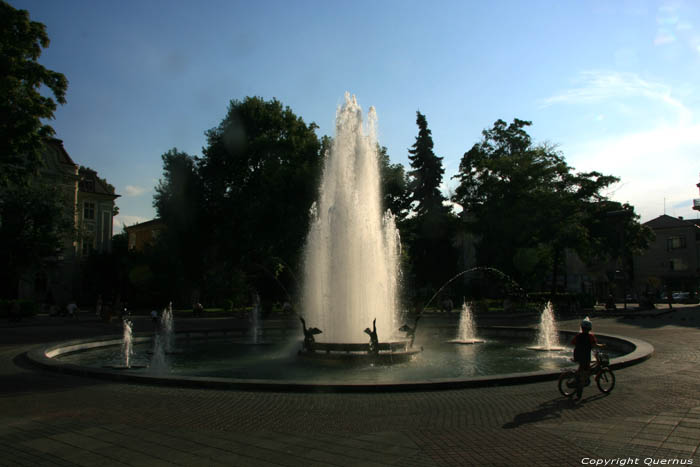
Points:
x=569 y=380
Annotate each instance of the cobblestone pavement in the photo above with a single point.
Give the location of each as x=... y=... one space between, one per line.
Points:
x=653 y=415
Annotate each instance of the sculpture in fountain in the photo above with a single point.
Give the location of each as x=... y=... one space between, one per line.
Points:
x=309 y=334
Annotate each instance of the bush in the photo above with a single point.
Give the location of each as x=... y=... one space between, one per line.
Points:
x=27 y=309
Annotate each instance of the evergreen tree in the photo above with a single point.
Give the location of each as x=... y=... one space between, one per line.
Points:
x=429 y=234
x=426 y=176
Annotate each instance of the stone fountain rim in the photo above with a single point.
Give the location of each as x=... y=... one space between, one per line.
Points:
x=43 y=357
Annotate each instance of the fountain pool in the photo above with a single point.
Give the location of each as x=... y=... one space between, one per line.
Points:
x=224 y=362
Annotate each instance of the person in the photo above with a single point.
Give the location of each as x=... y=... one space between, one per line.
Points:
x=583 y=343
x=72 y=309
x=98 y=306
x=154 y=318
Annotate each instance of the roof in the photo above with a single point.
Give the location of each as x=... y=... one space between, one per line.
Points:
x=667 y=222
x=63 y=156
x=152 y=223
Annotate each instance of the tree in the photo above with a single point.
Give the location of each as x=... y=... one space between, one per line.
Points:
x=426 y=176
x=394 y=185
x=259 y=176
x=33 y=220
x=528 y=206
x=22 y=107
x=429 y=233
x=33 y=223
x=179 y=203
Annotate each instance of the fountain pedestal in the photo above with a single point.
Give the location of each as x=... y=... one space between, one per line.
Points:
x=389 y=352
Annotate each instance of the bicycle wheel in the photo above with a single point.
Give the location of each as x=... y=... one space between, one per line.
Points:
x=567 y=383
x=605 y=380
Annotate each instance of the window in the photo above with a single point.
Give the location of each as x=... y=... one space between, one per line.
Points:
x=89 y=210
x=677 y=264
x=87 y=246
x=87 y=185
x=675 y=243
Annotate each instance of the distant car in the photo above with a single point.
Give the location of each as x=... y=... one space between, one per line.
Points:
x=680 y=297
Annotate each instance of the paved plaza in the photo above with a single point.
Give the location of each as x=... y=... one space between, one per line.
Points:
x=651 y=418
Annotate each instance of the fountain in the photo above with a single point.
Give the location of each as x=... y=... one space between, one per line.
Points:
x=351 y=272
x=466 y=333
x=547 y=337
x=163 y=340
x=255 y=318
x=127 y=342
x=350 y=311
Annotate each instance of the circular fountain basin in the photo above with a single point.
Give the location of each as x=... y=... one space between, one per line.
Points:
x=236 y=364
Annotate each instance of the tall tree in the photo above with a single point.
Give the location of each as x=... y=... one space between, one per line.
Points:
x=429 y=233
x=426 y=176
x=259 y=174
x=394 y=185
x=179 y=203
x=22 y=107
x=528 y=205
x=32 y=211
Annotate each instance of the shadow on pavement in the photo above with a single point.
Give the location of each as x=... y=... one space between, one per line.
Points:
x=29 y=378
x=551 y=410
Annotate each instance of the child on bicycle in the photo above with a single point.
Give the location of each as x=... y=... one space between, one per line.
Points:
x=583 y=343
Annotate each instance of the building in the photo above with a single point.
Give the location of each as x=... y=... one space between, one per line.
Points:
x=95 y=204
x=672 y=261
x=90 y=203
x=140 y=235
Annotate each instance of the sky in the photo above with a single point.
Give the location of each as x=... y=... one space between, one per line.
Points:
x=613 y=84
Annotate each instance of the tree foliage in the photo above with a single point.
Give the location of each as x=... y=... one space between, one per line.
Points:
x=33 y=218
x=22 y=107
x=426 y=176
x=430 y=232
x=528 y=205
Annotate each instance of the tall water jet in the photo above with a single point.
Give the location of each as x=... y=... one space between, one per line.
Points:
x=466 y=333
x=547 y=336
x=351 y=272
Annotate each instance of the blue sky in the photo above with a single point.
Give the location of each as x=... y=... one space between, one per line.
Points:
x=613 y=84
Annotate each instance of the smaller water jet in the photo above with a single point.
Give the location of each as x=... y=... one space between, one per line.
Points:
x=255 y=318
x=410 y=331
x=127 y=343
x=127 y=349
x=466 y=333
x=547 y=337
x=163 y=340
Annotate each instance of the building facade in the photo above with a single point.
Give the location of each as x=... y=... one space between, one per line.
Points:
x=143 y=234
x=89 y=202
x=672 y=262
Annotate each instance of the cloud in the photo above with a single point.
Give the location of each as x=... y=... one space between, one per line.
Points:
x=658 y=168
x=132 y=190
x=124 y=220
x=664 y=37
x=596 y=86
